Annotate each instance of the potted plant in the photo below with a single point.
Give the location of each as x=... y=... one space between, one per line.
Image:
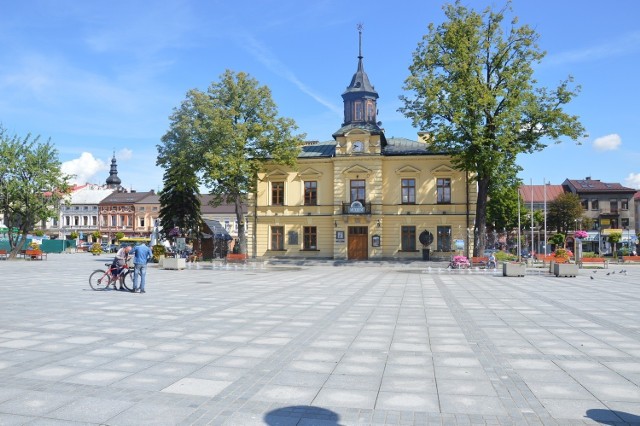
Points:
x=96 y=249
x=158 y=251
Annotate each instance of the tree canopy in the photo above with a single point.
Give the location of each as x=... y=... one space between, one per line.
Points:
x=32 y=186
x=564 y=212
x=472 y=88
x=502 y=203
x=226 y=135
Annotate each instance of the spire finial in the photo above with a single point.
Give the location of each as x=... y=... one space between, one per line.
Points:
x=360 y=26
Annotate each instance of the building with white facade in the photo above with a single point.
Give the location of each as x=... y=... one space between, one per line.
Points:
x=80 y=213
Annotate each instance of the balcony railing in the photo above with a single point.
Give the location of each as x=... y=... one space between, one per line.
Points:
x=356 y=208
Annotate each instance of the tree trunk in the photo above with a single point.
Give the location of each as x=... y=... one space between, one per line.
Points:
x=481 y=217
x=242 y=238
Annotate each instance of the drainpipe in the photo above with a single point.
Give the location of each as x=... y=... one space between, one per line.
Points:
x=466 y=179
x=255 y=223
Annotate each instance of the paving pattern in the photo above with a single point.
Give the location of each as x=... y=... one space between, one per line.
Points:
x=317 y=344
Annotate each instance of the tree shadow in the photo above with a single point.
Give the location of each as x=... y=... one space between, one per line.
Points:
x=612 y=417
x=302 y=415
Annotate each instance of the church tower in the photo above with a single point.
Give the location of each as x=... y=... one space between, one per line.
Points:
x=360 y=114
x=113 y=181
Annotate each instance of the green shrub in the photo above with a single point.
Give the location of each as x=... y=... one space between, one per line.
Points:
x=502 y=256
x=562 y=254
x=588 y=254
x=157 y=251
x=96 y=248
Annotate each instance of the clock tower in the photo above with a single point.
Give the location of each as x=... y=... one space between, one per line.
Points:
x=360 y=132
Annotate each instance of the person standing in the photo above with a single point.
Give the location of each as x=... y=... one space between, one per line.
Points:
x=141 y=255
x=119 y=263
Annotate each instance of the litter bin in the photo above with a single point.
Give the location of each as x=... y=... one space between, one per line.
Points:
x=425 y=254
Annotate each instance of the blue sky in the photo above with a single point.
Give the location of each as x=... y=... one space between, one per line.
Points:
x=100 y=77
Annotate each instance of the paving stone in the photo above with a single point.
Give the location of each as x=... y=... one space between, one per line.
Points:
x=368 y=343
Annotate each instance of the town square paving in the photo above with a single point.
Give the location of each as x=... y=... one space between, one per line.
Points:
x=317 y=344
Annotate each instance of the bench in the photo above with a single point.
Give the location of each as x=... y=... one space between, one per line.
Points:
x=596 y=260
x=236 y=258
x=4 y=254
x=34 y=254
x=480 y=261
x=630 y=259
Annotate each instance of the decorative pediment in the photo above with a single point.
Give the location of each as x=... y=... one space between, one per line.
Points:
x=407 y=171
x=356 y=132
x=357 y=171
x=309 y=174
x=442 y=170
x=276 y=174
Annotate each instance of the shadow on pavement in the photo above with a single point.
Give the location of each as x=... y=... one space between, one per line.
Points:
x=310 y=415
x=612 y=417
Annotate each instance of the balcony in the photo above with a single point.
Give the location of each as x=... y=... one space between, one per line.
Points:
x=356 y=208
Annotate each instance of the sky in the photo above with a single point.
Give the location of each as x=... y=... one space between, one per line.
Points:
x=98 y=78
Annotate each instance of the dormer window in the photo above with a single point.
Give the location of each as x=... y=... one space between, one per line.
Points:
x=358 y=111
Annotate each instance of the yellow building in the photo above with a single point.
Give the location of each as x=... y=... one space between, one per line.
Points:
x=362 y=196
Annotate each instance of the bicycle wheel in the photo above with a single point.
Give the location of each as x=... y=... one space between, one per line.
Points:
x=127 y=280
x=99 y=280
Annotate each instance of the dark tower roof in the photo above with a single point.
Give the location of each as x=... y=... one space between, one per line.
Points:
x=360 y=80
x=360 y=102
x=113 y=181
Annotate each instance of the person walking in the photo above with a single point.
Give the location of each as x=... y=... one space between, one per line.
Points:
x=141 y=255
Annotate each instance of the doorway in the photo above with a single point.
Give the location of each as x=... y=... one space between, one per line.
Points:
x=358 y=247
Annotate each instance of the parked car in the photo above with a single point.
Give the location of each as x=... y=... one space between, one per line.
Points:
x=84 y=246
x=109 y=248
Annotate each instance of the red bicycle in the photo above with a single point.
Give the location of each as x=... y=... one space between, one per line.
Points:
x=101 y=280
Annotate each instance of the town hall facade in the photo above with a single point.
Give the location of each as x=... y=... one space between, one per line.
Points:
x=362 y=196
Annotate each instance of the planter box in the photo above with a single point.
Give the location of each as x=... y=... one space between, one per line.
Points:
x=174 y=263
x=565 y=269
x=513 y=269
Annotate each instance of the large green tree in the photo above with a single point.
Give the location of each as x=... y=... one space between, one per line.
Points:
x=32 y=186
x=179 y=199
x=472 y=88
x=564 y=212
x=227 y=134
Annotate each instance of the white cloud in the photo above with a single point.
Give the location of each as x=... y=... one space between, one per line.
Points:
x=124 y=154
x=633 y=180
x=607 y=143
x=264 y=55
x=83 y=169
x=625 y=45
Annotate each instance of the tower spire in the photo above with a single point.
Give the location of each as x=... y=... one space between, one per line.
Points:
x=360 y=27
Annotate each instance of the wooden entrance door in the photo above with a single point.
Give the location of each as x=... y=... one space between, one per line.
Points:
x=358 y=243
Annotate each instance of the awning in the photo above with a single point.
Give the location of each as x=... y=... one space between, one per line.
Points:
x=217 y=231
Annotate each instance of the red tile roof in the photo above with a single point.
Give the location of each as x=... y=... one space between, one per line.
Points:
x=552 y=191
